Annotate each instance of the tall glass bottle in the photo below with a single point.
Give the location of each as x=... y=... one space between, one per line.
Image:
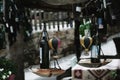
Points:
x=44 y=51
x=2 y=36
x=95 y=50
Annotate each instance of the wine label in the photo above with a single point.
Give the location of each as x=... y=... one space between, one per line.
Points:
x=9 y=15
x=11 y=29
x=43 y=34
x=100 y=26
x=7 y=25
x=104 y=3
x=99 y=21
x=40 y=54
x=16 y=7
x=94 y=51
x=78 y=9
x=113 y=17
x=16 y=19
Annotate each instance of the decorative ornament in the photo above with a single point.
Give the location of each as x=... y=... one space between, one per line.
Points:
x=54 y=44
x=86 y=42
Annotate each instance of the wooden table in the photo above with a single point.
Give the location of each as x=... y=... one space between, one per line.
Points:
x=105 y=72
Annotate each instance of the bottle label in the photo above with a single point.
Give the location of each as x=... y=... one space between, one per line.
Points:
x=16 y=19
x=9 y=15
x=40 y=55
x=7 y=25
x=99 y=21
x=94 y=51
x=100 y=25
x=104 y=3
x=11 y=29
x=78 y=9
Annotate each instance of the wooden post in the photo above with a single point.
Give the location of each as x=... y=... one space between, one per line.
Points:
x=16 y=50
x=17 y=55
x=76 y=34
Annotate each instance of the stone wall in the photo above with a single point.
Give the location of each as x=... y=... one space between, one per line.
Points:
x=67 y=41
x=66 y=38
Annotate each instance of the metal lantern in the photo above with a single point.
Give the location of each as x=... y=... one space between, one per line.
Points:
x=54 y=44
x=86 y=42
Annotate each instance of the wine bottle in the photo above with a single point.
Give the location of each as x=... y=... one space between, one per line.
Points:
x=44 y=51
x=95 y=51
x=27 y=30
x=93 y=25
x=2 y=36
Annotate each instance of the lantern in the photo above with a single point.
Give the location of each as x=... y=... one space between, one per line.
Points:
x=86 y=42
x=54 y=44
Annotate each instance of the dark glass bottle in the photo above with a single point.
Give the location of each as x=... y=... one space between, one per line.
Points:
x=44 y=51
x=2 y=37
x=95 y=50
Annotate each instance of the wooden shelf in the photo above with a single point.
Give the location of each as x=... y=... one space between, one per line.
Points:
x=47 y=72
x=87 y=63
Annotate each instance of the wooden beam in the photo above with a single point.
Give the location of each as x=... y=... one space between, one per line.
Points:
x=45 y=6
